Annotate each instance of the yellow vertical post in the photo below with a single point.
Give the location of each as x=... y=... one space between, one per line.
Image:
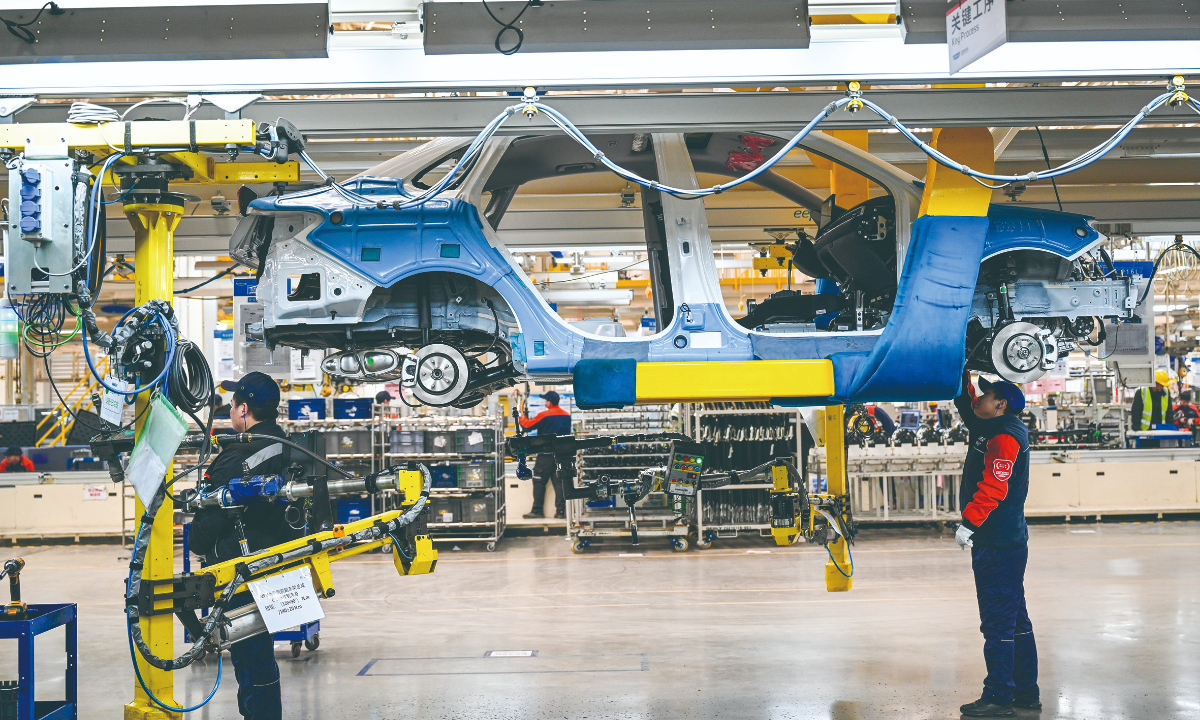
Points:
x=949 y=192
x=154 y=257
x=849 y=188
x=836 y=484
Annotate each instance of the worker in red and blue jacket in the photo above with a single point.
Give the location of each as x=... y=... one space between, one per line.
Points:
x=551 y=421
x=995 y=482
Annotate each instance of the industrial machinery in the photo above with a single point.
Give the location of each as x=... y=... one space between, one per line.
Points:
x=795 y=512
x=409 y=258
x=56 y=255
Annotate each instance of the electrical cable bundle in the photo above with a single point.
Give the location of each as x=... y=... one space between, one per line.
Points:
x=86 y=113
x=42 y=317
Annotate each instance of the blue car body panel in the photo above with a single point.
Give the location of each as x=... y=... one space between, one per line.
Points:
x=918 y=355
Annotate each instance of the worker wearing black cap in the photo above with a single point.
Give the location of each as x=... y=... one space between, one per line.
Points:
x=215 y=536
x=551 y=421
x=995 y=482
x=15 y=461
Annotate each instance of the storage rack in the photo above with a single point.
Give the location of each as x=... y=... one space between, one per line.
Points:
x=349 y=443
x=360 y=454
x=589 y=522
x=394 y=447
x=724 y=512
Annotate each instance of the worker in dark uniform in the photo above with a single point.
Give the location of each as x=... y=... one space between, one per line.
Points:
x=1151 y=405
x=885 y=421
x=551 y=421
x=216 y=537
x=995 y=482
x=1186 y=412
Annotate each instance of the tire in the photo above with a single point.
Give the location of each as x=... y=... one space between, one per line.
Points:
x=296 y=649
x=679 y=544
x=577 y=547
x=491 y=547
x=313 y=642
x=442 y=375
x=703 y=544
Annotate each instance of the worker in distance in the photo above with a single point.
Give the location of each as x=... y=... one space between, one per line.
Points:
x=554 y=420
x=216 y=537
x=995 y=482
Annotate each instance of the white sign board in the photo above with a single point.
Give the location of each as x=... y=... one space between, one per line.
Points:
x=95 y=492
x=287 y=600
x=974 y=28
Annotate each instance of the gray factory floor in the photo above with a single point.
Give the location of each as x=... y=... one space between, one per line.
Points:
x=732 y=632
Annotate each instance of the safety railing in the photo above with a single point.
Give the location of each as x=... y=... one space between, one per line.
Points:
x=69 y=406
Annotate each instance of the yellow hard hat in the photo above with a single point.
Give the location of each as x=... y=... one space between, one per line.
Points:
x=1162 y=378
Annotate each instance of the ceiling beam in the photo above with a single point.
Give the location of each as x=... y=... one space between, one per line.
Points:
x=784 y=112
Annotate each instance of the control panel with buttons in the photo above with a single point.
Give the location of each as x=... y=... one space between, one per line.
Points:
x=686 y=466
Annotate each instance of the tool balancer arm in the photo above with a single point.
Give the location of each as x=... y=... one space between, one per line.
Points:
x=258 y=566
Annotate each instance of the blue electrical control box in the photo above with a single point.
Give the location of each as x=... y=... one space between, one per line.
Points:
x=46 y=223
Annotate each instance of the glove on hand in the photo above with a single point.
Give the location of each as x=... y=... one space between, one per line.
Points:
x=963 y=537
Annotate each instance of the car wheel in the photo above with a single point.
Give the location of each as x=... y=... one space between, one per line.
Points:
x=442 y=375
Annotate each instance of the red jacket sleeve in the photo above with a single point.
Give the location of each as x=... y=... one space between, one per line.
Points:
x=530 y=422
x=997 y=469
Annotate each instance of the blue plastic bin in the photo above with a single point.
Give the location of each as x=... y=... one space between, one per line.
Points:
x=351 y=509
x=352 y=408
x=444 y=476
x=306 y=409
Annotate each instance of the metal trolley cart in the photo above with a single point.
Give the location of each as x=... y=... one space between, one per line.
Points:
x=39 y=619
x=590 y=522
x=740 y=436
x=465 y=454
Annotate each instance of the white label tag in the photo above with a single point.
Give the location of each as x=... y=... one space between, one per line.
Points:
x=11 y=415
x=112 y=406
x=95 y=492
x=439 y=441
x=706 y=340
x=475 y=438
x=287 y=600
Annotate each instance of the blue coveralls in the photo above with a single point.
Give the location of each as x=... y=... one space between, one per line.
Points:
x=995 y=482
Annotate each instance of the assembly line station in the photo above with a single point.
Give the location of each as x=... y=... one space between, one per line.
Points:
x=740 y=360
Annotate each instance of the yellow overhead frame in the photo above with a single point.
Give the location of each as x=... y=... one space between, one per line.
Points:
x=207 y=171
x=776 y=258
x=210 y=135
x=141 y=134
